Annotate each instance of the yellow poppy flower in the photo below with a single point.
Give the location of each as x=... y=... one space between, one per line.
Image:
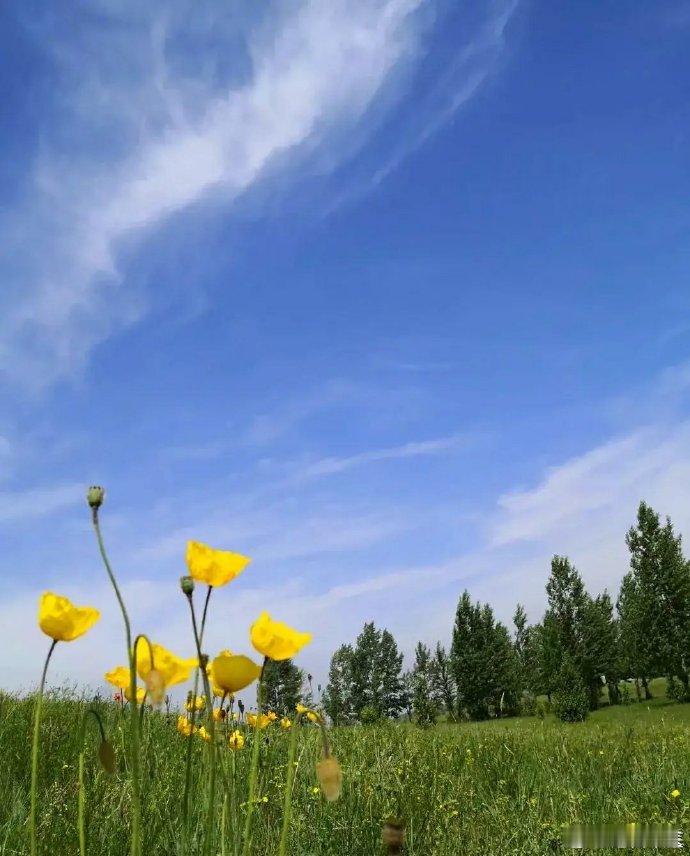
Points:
x=119 y=677
x=141 y=693
x=218 y=691
x=272 y=715
x=201 y=732
x=199 y=703
x=60 y=619
x=171 y=668
x=218 y=714
x=285 y=723
x=233 y=672
x=236 y=739
x=260 y=721
x=675 y=793
x=312 y=717
x=276 y=640
x=213 y=567
x=300 y=708
x=184 y=726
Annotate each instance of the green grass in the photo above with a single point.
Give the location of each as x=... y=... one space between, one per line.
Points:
x=479 y=789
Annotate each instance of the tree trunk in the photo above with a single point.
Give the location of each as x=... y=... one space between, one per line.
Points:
x=647 y=694
x=637 y=689
x=614 y=692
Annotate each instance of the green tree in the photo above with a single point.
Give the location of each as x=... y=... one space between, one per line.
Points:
x=376 y=674
x=661 y=594
x=282 y=686
x=442 y=681
x=337 y=697
x=423 y=703
x=571 y=698
x=391 y=699
x=483 y=662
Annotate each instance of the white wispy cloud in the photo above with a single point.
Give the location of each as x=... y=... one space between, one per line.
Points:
x=332 y=465
x=38 y=501
x=173 y=137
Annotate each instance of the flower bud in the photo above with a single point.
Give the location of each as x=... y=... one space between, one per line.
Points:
x=95 y=496
x=187 y=585
x=155 y=686
x=330 y=776
x=393 y=835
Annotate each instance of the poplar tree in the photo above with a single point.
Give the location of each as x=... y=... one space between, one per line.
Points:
x=282 y=681
x=337 y=697
x=442 y=681
x=423 y=702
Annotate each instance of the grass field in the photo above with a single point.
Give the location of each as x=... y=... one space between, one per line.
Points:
x=501 y=787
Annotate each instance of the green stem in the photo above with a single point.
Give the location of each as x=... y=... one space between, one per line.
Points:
x=80 y=806
x=246 y=842
x=188 y=759
x=287 y=802
x=135 y=846
x=34 y=749
x=81 y=799
x=210 y=815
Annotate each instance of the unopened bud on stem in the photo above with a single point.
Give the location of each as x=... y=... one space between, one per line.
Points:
x=187 y=585
x=95 y=496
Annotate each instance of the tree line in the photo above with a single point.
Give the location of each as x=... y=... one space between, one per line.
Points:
x=584 y=646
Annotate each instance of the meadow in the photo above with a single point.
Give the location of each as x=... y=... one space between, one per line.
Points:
x=499 y=787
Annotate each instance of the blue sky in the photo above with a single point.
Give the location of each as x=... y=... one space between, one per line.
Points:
x=390 y=295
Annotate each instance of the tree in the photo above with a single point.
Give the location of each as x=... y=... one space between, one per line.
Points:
x=388 y=671
x=571 y=702
x=282 y=686
x=364 y=657
x=376 y=674
x=571 y=609
x=483 y=662
x=658 y=591
x=423 y=702
x=442 y=681
x=337 y=697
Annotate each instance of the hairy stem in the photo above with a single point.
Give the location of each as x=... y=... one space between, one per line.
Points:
x=34 y=749
x=246 y=843
x=135 y=843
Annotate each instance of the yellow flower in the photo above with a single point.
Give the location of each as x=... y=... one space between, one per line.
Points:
x=201 y=732
x=213 y=567
x=285 y=723
x=172 y=669
x=276 y=640
x=675 y=793
x=233 y=672
x=312 y=717
x=272 y=715
x=119 y=677
x=236 y=739
x=184 y=726
x=218 y=714
x=301 y=708
x=199 y=703
x=141 y=693
x=60 y=619
x=259 y=722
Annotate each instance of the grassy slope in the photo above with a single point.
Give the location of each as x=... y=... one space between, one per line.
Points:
x=486 y=788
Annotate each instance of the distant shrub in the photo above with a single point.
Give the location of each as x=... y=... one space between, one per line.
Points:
x=528 y=706
x=626 y=698
x=369 y=715
x=676 y=691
